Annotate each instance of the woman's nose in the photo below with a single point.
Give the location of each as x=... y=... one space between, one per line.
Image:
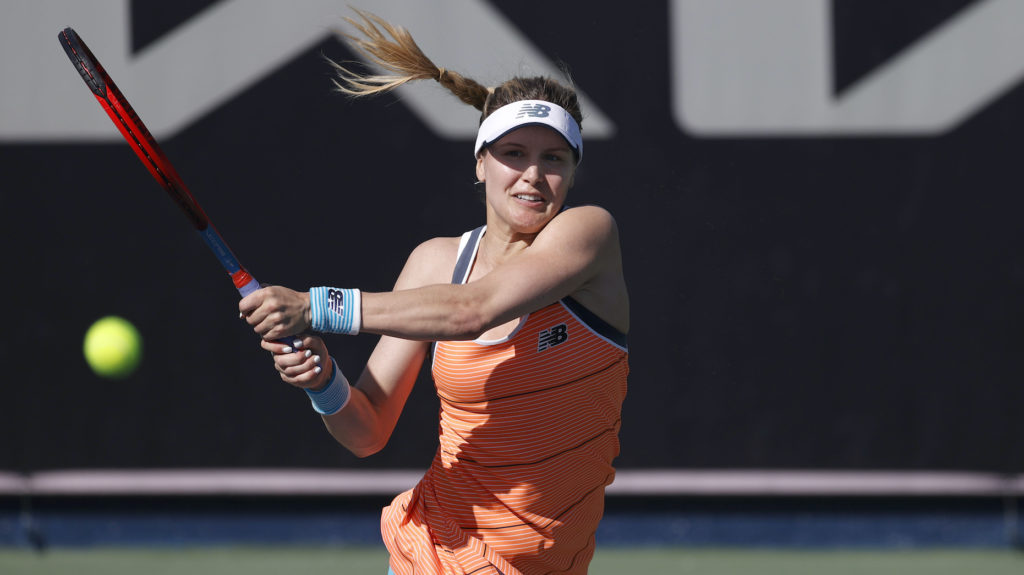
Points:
x=532 y=173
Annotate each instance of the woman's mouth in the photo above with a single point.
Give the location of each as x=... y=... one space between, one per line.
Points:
x=529 y=197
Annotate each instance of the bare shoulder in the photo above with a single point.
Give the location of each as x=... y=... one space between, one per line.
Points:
x=592 y=236
x=587 y=224
x=431 y=262
x=436 y=248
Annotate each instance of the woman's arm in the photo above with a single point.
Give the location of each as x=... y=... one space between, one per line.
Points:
x=377 y=398
x=571 y=254
x=365 y=424
x=567 y=256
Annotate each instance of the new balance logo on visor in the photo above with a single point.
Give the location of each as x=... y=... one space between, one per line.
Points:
x=552 y=337
x=335 y=301
x=533 y=111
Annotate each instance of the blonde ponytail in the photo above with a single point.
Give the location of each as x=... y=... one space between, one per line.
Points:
x=401 y=56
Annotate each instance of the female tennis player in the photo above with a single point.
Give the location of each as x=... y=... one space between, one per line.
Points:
x=529 y=314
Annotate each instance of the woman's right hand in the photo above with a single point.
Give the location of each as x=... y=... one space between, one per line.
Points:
x=276 y=312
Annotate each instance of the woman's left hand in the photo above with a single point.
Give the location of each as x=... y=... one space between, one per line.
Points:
x=306 y=365
x=276 y=312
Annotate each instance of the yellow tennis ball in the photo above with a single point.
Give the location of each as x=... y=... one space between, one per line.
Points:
x=113 y=347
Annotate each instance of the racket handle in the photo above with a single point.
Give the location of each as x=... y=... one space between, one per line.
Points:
x=249 y=286
x=245 y=283
x=243 y=280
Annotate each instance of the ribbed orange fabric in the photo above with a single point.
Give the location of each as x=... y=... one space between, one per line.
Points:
x=528 y=431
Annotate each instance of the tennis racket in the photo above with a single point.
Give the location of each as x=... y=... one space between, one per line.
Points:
x=145 y=147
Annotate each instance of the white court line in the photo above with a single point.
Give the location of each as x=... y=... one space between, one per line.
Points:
x=810 y=483
x=221 y=482
x=13 y=484
x=653 y=482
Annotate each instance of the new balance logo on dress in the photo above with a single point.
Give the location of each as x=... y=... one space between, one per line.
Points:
x=552 y=337
x=533 y=111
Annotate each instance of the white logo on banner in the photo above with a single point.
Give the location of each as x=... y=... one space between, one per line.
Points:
x=224 y=50
x=739 y=68
x=764 y=68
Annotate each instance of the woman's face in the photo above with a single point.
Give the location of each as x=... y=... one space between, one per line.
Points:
x=528 y=173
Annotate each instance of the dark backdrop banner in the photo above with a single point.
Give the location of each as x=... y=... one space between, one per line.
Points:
x=819 y=279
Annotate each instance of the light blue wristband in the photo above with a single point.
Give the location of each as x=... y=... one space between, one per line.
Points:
x=332 y=398
x=335 y=310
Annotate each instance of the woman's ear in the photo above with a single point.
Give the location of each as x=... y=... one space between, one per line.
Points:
x=480 y=167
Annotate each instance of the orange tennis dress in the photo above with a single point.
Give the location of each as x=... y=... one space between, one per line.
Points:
x=528 y=431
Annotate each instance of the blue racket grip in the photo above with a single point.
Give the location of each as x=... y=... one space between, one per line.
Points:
x=243 y=280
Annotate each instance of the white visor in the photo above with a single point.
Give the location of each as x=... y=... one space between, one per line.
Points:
x=529 y=113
